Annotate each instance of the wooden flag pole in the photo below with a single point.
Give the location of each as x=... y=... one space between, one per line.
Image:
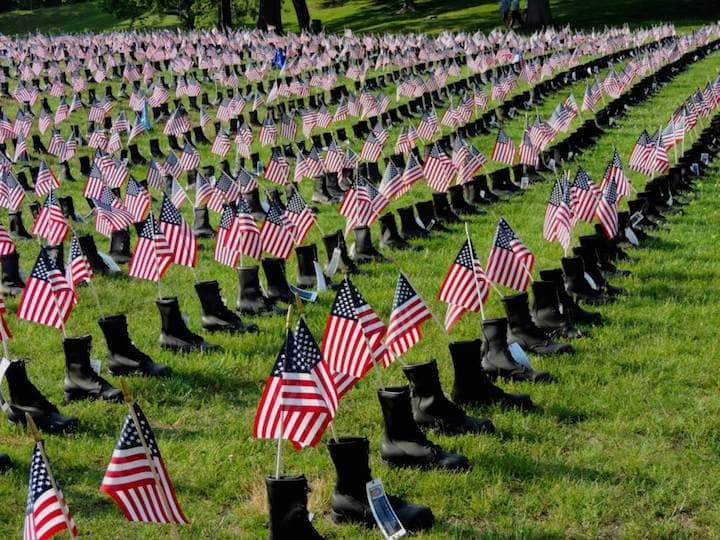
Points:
x=278 y=452
x=128 y=397
x=35 y=434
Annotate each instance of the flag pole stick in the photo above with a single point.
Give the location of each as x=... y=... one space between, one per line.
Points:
x=35 y=434
x=278 y=452
x=475 y=276
x=128 y=397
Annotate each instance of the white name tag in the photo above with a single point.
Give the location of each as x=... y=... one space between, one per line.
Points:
x=516 y=351
x=630 y=235
x=524 y=182
x=591 y=282
x=636 y=218
x=96 y=365
x=384 y=514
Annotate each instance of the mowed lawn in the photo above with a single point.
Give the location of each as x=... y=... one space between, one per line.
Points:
x=625 y=444
x=382 y=16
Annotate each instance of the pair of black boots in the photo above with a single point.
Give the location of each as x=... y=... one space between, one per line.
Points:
x=287 y=496
x=252 y=299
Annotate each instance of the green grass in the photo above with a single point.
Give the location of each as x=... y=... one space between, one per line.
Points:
x=625 y=444
x=382 y=16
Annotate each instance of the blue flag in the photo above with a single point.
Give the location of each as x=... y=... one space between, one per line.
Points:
x=145 y=116
x=279 y=59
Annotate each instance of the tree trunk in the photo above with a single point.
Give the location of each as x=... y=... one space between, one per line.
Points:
x=225 y=14
x=538 y=14
x=269 y=14
x=303 y=15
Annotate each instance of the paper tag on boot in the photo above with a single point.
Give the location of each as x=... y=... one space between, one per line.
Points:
x=385 y=517
x=419 y=222
x=319 y=277
x=591 y=282
x=705 y=158
x=695 y=168
x=332 y=266
x=551 y=164
x=524 y=182
x=186 y=318
x=96 y=365
x=351 y=250
x=636 y=218
x=631 y=237
x=518 y=354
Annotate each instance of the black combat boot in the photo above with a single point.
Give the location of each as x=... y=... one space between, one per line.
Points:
x=403 y=443
x=431 y=408
x=337 y=241
x=66 y=173
x=201 y=223
x=287 y=505
x=200 y=137
x=409 y=227
x=155 y=149
x=89 y=249
x=251 y=300
x=216 y=317
x=443 y=212
x=120 y=246
x=25 y=398
x=570 y=307
x=349 y=503
x=364 y=250
x=17 y=228
x=5 y=463
x=81 y=381
x=389 y=236
x=593 y=242
x=253 y=200
x=577 y=284
x=278 y=288
x=458 y=204
x=320 y=193
x=174 y=333
x=548 y=313
x=473 y=386
x=12 y=282
x=496 y=357
x=426 y=215
x=67 y=206
x=592 y=268
x=306 y=257
x=124 y=358
x=502 y=185
x=136 y=158
x=523 y=331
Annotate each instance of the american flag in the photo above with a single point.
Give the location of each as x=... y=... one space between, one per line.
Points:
x=224 y=190
x=559 y=215
x=110 y=213
x=371 y=149
x=204 y=117
x=615 y=171
x=409 y=312
x=438 y=169
x=277 y=169
x=203 y=191
x=300 y=215
x=428 y=125
x=356 y=205
x=12 y=193
x=606 y=211
x=413 y=172
x=46 y=180
x=47 y=298
x=584 y=195
x=591 y=97
x=268 y=132
x=44 y=122
x=510 y=262
x=247 y=240
x=504 y=149
x=56 y=147
x=288 y=127
x=50 y=223
x=189 y=158
x=353 y=339
x=136 y=479
x=471 y=165
x=137 y=200
x=172 y=165
x=6 y=244
x=177 y=193
x=227 y=238
x=221 y=146
x=391 y=185
x=642 y=154
x=153 y=255
x=276 y=234
x=46 y=513
x=138 y=128
x=78 y=269
x=178 y=235
x=299 y=398
x=465 y=286
x=529 y=155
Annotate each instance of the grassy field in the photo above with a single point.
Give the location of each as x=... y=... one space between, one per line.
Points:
x=625 y=444
x=381 y=16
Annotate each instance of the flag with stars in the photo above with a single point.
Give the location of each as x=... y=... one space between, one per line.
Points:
x=409 y=312
x=46 y=513
x=178 y=234
x=606 y=211
x=50 y=223
x=276 y=234
x=152 y=256
x=584 y=195
x=78 y=269
x=137 y=479
x=137 y=200
x=300 y=215
x=300 y=398
x=504 y=149
x=510 y=262
x=465 y=286
x=47 y=297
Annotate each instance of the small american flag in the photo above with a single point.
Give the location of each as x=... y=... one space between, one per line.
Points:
x=248 y=235
x=529 y=154
x=510 y=262
x=6 y=244
x=606 y=211
x=137 y=200
x=615 y=171
x=391 y=185
x=409 y=312
x=465 y=286
x=189 y=158
x=299 y=398
x=152 y=256
x=46 y=180
x=584 y=195
x=203 y=191
x=47 y=298
x=300 y=215
x=558 y=215
x=353 y=339
x=177 y=193
x=413 y=172
x=276 y=234
x=371 y=149
x=50 y=223
x=221 y=146
x=12 y=193
x=277 y=169
x=438 y=169
x=178 y=234
x=226 y=240
x=428 y=125
x=504 y=149
x=46 y=513
x=136 y=479
x=268 y=132
x=78 y=269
